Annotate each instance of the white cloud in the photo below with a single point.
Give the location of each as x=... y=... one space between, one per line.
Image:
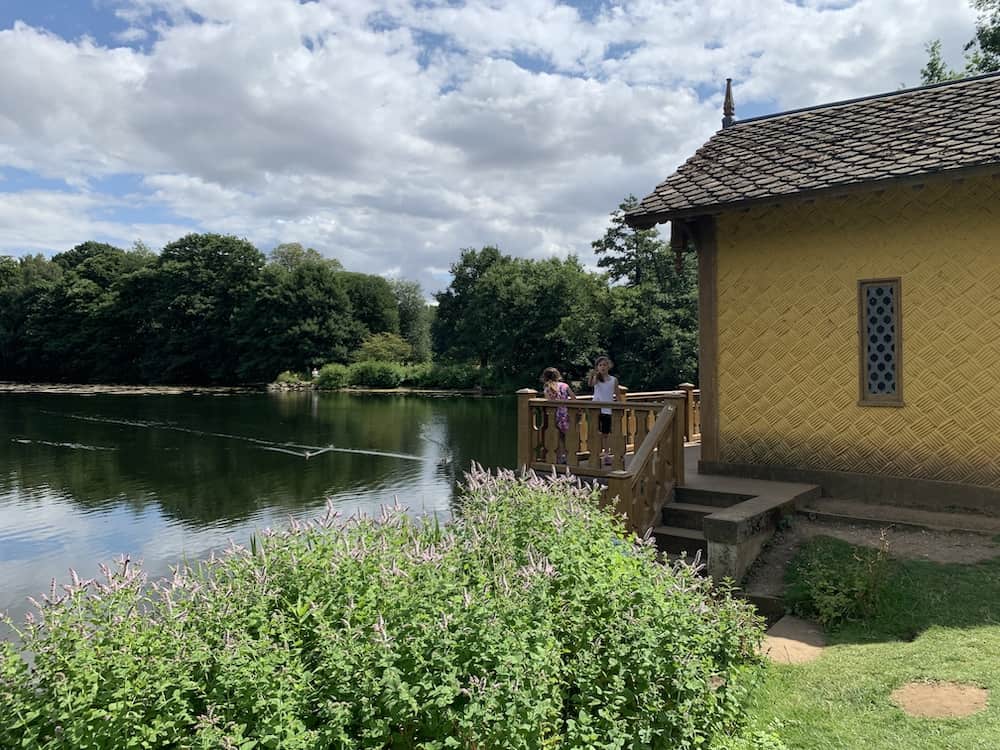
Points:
x=391 y=134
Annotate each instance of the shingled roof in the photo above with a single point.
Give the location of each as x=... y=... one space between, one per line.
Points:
x=947 y=127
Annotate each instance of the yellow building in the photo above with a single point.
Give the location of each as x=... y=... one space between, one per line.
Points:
x=849 y=259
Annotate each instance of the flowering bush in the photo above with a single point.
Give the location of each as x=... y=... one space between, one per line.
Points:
x=531 y=621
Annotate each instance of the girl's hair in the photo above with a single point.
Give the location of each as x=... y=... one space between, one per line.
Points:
x=597 y=362
x=550 y=373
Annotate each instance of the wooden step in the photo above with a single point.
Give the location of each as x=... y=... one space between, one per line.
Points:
x=676 y=539
x=686 y=515
x=708 y=497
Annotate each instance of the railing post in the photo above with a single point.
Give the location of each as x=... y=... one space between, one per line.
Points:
x=688 y=389
x=524 y=446
x=678 y=442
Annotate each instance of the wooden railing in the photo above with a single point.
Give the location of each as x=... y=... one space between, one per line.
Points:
x=644 y=449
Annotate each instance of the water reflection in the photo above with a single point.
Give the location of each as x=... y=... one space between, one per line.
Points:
x=84 y=479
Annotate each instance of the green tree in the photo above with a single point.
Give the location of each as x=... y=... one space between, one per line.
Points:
x=384 y=347
x=373 y=304
x=653 y=311
x=517 y=316
x=290 y=255
x=982 y=52
x=297 y=317
x=414 y=317
x=936 y=70
x=201 y=281
x=465 y=323
x=631 y=256
x=24 y=305
x=23 y=284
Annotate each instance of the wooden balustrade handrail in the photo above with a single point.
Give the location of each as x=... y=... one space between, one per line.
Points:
x=639 y=461
x=615 y=405
x=664 y=420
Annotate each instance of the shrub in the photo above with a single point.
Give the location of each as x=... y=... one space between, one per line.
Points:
x=289 y=377
x=532 y=621
x=333 y=376
x=834 y=582
x=417 y=375
x=448 y=376
x=376 y=374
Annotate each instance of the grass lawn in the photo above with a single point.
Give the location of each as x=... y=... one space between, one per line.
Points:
x=932 y=622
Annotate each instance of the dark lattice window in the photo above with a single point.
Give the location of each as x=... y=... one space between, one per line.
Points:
x=880 y=330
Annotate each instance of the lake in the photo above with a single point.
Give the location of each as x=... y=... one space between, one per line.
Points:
x=84 y=479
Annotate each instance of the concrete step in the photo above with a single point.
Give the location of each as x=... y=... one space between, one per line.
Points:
x=708 y=497
x=676 y=540
x=686 y=515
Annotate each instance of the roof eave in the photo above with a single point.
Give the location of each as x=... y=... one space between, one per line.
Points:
x=647 y=220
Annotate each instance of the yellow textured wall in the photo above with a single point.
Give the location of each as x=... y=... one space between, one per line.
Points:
x=788 y=339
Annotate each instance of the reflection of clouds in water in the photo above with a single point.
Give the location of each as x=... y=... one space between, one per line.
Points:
x=43 y=536
x=68 y=506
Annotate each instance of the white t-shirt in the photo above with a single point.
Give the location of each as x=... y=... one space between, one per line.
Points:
x=606 y=391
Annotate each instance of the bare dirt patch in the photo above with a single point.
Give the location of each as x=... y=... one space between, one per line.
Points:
x=767 y=576
x=940 y=700
x=793 y=641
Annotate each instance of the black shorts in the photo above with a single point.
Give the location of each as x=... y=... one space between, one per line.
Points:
x=604 y=423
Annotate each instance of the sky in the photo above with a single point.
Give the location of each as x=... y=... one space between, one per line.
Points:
x=390 y=134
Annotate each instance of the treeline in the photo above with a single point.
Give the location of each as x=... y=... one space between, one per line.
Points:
x=208 y=309
x=213 y=309
x=515 y=316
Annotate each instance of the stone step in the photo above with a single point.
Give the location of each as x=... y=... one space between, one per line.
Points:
x=708 y=497
x=686 y=515
x=676 y=540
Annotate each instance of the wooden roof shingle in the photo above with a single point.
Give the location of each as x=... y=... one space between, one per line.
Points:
x=928 y=130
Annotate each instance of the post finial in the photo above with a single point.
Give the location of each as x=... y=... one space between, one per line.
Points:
x=728 y=108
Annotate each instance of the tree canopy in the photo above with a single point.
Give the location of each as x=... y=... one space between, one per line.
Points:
x=982 y=52
x=213 y=309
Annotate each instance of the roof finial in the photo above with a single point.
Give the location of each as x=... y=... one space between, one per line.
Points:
x=728 y=108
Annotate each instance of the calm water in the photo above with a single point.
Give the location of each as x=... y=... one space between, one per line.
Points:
x=84 y=479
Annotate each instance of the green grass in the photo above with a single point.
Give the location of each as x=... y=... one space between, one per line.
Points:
x=932 y=622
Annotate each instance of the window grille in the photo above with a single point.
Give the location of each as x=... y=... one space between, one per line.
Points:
x=879 y=313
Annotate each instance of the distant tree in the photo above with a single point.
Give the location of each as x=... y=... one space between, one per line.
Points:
x=936 y=70
x=465 y=323
x=22 y=293
x=290 y=255
x=373 y=304
x=414 y=318
x=982 y=52
x=384 y=347
x=652 y=321
x=201 y=280
x=517 y=316
x=631 y=256
x=296 y=318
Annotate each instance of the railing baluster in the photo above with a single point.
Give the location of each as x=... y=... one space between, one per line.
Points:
x=619 y=424
x=593 y=438
x=641 y=426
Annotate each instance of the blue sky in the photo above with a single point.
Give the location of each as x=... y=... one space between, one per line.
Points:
x=392 y=133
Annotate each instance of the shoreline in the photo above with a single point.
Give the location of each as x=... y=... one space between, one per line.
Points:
x=82 y=389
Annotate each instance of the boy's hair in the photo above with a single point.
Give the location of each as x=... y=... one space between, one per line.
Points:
x=550 y=373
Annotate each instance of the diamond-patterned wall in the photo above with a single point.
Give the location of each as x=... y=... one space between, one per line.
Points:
x=788 y=338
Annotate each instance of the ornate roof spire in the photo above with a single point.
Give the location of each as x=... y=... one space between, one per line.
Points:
x=728 y=108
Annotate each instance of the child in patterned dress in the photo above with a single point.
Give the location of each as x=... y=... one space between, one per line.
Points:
x=556 y=390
